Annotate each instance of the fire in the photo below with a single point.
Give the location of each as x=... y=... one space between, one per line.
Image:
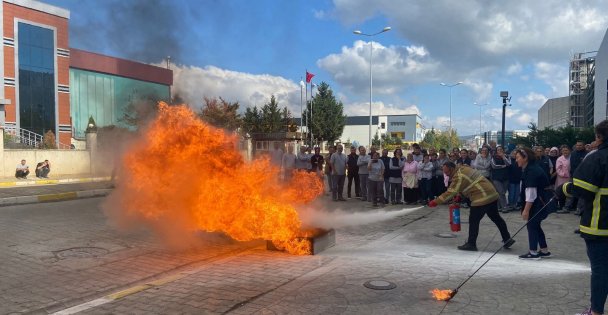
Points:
x=442 y=295
x=184 y=176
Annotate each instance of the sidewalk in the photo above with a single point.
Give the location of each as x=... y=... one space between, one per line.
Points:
x=33 y=190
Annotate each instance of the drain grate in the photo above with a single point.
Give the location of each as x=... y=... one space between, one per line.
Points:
x=81 y=252
x=379 y=285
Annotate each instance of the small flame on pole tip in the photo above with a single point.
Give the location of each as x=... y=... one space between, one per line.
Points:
x=442 y=295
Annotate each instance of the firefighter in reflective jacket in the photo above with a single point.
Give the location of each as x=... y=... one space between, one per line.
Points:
x=590 y=182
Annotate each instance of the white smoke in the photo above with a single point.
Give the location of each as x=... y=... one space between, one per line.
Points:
x=339 y=218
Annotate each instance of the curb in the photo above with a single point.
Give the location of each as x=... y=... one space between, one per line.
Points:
x=20 y=200
x=54 y=181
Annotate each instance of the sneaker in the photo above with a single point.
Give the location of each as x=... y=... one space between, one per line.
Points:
x=469 y=247
x=586 y=312
x=544 y=255
x=508 y=243
x=562 y=211
x=529 y=256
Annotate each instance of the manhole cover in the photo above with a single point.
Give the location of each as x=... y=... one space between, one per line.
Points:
x=379 y=285
x=419 y=255
x=81 y=252
x=446 y=235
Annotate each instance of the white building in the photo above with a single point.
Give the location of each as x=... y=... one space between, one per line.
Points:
x=600 y=107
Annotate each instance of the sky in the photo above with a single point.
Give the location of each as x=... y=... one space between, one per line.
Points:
x=246 y=51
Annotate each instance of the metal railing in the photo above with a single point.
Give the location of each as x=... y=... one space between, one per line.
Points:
x=29 y=138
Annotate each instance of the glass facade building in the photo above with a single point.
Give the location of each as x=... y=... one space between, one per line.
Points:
x=105 y=97
x=36 y=52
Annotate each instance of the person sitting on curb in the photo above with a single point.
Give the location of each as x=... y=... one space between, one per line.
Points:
x=484 y=200
x=43 y=169
x=22 y=170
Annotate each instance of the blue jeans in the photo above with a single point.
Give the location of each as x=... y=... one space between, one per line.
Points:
x=426 y=187
x=396 y=190
x=536 y=235
x=513 y=194
x=597 y=251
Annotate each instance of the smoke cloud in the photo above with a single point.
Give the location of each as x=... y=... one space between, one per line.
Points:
x=340 y=218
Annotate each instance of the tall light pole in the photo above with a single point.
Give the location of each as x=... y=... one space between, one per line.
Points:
x=302 y=86
x=371 y=48
x=480 y=105
x=451 y=86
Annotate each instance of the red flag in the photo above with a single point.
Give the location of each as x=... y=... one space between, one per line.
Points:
x=309 y=76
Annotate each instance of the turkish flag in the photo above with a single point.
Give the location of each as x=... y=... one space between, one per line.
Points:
x=309 y=76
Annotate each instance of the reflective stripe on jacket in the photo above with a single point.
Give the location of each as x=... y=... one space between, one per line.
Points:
x=472 y=185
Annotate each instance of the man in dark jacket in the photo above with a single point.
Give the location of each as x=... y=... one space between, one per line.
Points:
x=589 y=184
x=576 y=157
x=352 y=172
x=387 y=186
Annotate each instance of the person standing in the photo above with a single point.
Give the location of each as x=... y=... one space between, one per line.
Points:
x=276 y=155
x=500 y=177
x=589 y=183
x=464 y=158
x=471 y=184
x=303 y=159
x=316 y=162
x=534 y=180
x=288 y=163
x=328 y=170
x=362 y=163
x=576 y=158
x=438 y=180
x=410 y=180
x=338 y=162
x=514 y=172
x=395 y=179
x=417 y=152
x=483 y=162
x=387 y=186
x=425 y=174
x=376 y=180
x=352 y=172
x=562 y=169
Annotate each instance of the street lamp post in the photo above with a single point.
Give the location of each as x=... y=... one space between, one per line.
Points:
x=480 y=105
x=451 y=86
x=505 y=100
x=371 y=47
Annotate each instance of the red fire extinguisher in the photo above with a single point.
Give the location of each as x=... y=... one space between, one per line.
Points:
x=455 y=217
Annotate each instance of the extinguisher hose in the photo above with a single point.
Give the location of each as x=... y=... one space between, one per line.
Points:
x=500 y=248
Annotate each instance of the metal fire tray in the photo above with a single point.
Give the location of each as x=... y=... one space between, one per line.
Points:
x=320 y=241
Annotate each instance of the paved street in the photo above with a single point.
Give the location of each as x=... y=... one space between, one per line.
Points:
x=60 y=255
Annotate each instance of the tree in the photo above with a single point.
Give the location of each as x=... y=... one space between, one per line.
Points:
x=440 y=140
x=221 y=113
x=270 y=118
x=376 y=140
x=252 y=120
x=550 y=137
x=327 y=120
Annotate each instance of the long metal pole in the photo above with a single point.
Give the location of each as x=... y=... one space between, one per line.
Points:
x=301 y=110
x=311 y=119
x=450 y=135
x=504 y=108
x=371 y=48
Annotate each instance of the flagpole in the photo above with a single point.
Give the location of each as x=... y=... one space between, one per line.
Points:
x=306 y=101
x=301 y=111
x=311 y=113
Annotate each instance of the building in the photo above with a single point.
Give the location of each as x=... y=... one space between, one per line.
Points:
x=582 y=69
x=408 y=128
x=555 y=113
x=48 y=86
x=496 y=135
x=601 y=83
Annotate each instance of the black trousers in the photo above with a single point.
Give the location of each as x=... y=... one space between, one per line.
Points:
x=351 y=176
x=477 y=213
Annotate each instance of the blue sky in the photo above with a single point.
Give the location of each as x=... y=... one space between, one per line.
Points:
x=247 y=50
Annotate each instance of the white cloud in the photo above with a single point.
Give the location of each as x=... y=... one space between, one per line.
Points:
x=532 y=100
x=480 y=33
x=482 y=90
x=394 y=68
x=514 y=68
x=379 y=108
x=194 y=83
x=554 y=75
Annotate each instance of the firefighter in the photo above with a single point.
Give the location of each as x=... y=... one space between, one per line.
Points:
x=590 y=183
x=484 y=200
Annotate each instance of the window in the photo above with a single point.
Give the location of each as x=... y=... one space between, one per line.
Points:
x=397 y=123
x=382 y=125
x=36 y=78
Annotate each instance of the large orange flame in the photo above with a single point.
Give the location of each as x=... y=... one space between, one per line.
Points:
x=442 y=295
x=187 y=176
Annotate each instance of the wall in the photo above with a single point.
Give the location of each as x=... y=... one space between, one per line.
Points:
x=554 y=113
x=601 y=83
x=63 y=162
